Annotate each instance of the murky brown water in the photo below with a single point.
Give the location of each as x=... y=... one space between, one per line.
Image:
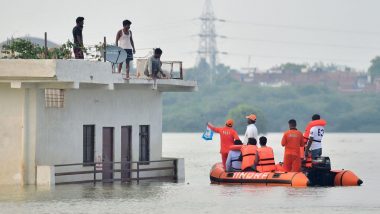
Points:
x=358 y=152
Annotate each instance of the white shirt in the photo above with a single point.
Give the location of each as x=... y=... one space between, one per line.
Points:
x=250 y=132
x=125 y=40
x=317 y=133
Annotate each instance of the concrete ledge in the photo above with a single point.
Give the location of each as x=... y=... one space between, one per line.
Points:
x=181 y=169
x=45 y=175
x=57 y=73
x=27 y=68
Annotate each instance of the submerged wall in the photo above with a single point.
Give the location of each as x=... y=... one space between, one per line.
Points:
x=33 y=135
x=60 y=130
x=11 y=116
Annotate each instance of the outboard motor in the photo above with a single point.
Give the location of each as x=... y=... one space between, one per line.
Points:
x=321 y=164
x=320 y=172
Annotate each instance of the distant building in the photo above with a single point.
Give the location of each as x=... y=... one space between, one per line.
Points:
x=344 y=81
x=73 y=111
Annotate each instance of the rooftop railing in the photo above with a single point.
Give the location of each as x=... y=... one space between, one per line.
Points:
x=171 y=69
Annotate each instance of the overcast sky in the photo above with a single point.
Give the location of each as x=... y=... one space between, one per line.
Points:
x=270 y=31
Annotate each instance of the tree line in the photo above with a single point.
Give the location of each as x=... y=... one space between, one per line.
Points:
x=227 y=98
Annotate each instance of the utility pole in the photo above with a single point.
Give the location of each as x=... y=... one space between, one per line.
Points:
x=208 y=51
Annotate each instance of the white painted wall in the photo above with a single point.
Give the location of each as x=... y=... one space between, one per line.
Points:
x=32 y=135
x=60 y=130
x=29 y=135
x=11 y=117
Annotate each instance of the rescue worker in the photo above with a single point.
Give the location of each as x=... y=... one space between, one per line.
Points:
x=227 y=137
x=314 y=143
x=265 y=157
x=251 y=131
x=249 y=155
x=233 y=163
x=292 y=140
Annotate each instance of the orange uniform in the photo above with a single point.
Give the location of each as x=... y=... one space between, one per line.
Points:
x=227 y=137
x=292 y=141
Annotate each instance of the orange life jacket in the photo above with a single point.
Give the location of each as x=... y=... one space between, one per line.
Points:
x=236 y=147
x=310 y=125
x=266 y=160
x=248 y=152
x=306 y=134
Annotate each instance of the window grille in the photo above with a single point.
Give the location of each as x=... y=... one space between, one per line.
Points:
x=54 y=98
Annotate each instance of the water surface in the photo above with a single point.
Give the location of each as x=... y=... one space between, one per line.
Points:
x=358 y=152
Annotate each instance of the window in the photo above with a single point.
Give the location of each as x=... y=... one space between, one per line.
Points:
x=54 y=98
x=144 y=143
x=88 y=143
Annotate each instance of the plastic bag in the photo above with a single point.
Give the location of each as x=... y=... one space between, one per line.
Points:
x=207 y=135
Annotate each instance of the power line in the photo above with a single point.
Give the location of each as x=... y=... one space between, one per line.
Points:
x=300 y=43
x=294 y=57
x=303 y=28
x=238 y=54
x=170 y=23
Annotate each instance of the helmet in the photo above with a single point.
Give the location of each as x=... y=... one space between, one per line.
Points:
x=230 y=122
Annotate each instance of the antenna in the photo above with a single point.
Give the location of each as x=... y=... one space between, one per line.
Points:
x=115 y=55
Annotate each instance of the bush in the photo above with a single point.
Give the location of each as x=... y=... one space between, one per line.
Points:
x=24 y=49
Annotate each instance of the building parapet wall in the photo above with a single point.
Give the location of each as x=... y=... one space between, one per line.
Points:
x=27 y=69
x=25 y=73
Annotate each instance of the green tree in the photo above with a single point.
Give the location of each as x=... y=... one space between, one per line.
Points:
x=374 y=70
x=22 y=49
x=292 y=67
x=239 y=113
x=62 y=52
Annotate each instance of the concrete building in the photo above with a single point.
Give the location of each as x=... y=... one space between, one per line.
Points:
x=73 y=111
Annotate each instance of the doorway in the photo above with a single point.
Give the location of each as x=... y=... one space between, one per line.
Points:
x=107 y=175
x=126 y=153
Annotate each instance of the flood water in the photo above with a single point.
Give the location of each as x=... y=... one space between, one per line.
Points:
x=357 y=152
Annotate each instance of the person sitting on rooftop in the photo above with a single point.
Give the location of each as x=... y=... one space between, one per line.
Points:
x=233 y=163
x=153 y=65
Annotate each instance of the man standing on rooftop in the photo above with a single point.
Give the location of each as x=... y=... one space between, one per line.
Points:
x=124 y=40
x=78 y=38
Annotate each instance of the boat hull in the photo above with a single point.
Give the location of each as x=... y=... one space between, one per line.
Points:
x=294 y=179
x=218 y=175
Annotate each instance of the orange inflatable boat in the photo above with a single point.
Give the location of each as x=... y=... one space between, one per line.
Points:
x=316 y=176
x=295 y=179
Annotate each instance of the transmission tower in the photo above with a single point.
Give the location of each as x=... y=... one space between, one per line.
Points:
x=207 y=51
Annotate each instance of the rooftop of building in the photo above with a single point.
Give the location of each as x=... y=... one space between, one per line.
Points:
x=76 y=74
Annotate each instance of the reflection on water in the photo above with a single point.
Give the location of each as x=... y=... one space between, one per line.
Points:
x=358 y=152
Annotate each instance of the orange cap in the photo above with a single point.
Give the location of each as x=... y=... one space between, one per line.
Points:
x=230 y=122
x=251 y=117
